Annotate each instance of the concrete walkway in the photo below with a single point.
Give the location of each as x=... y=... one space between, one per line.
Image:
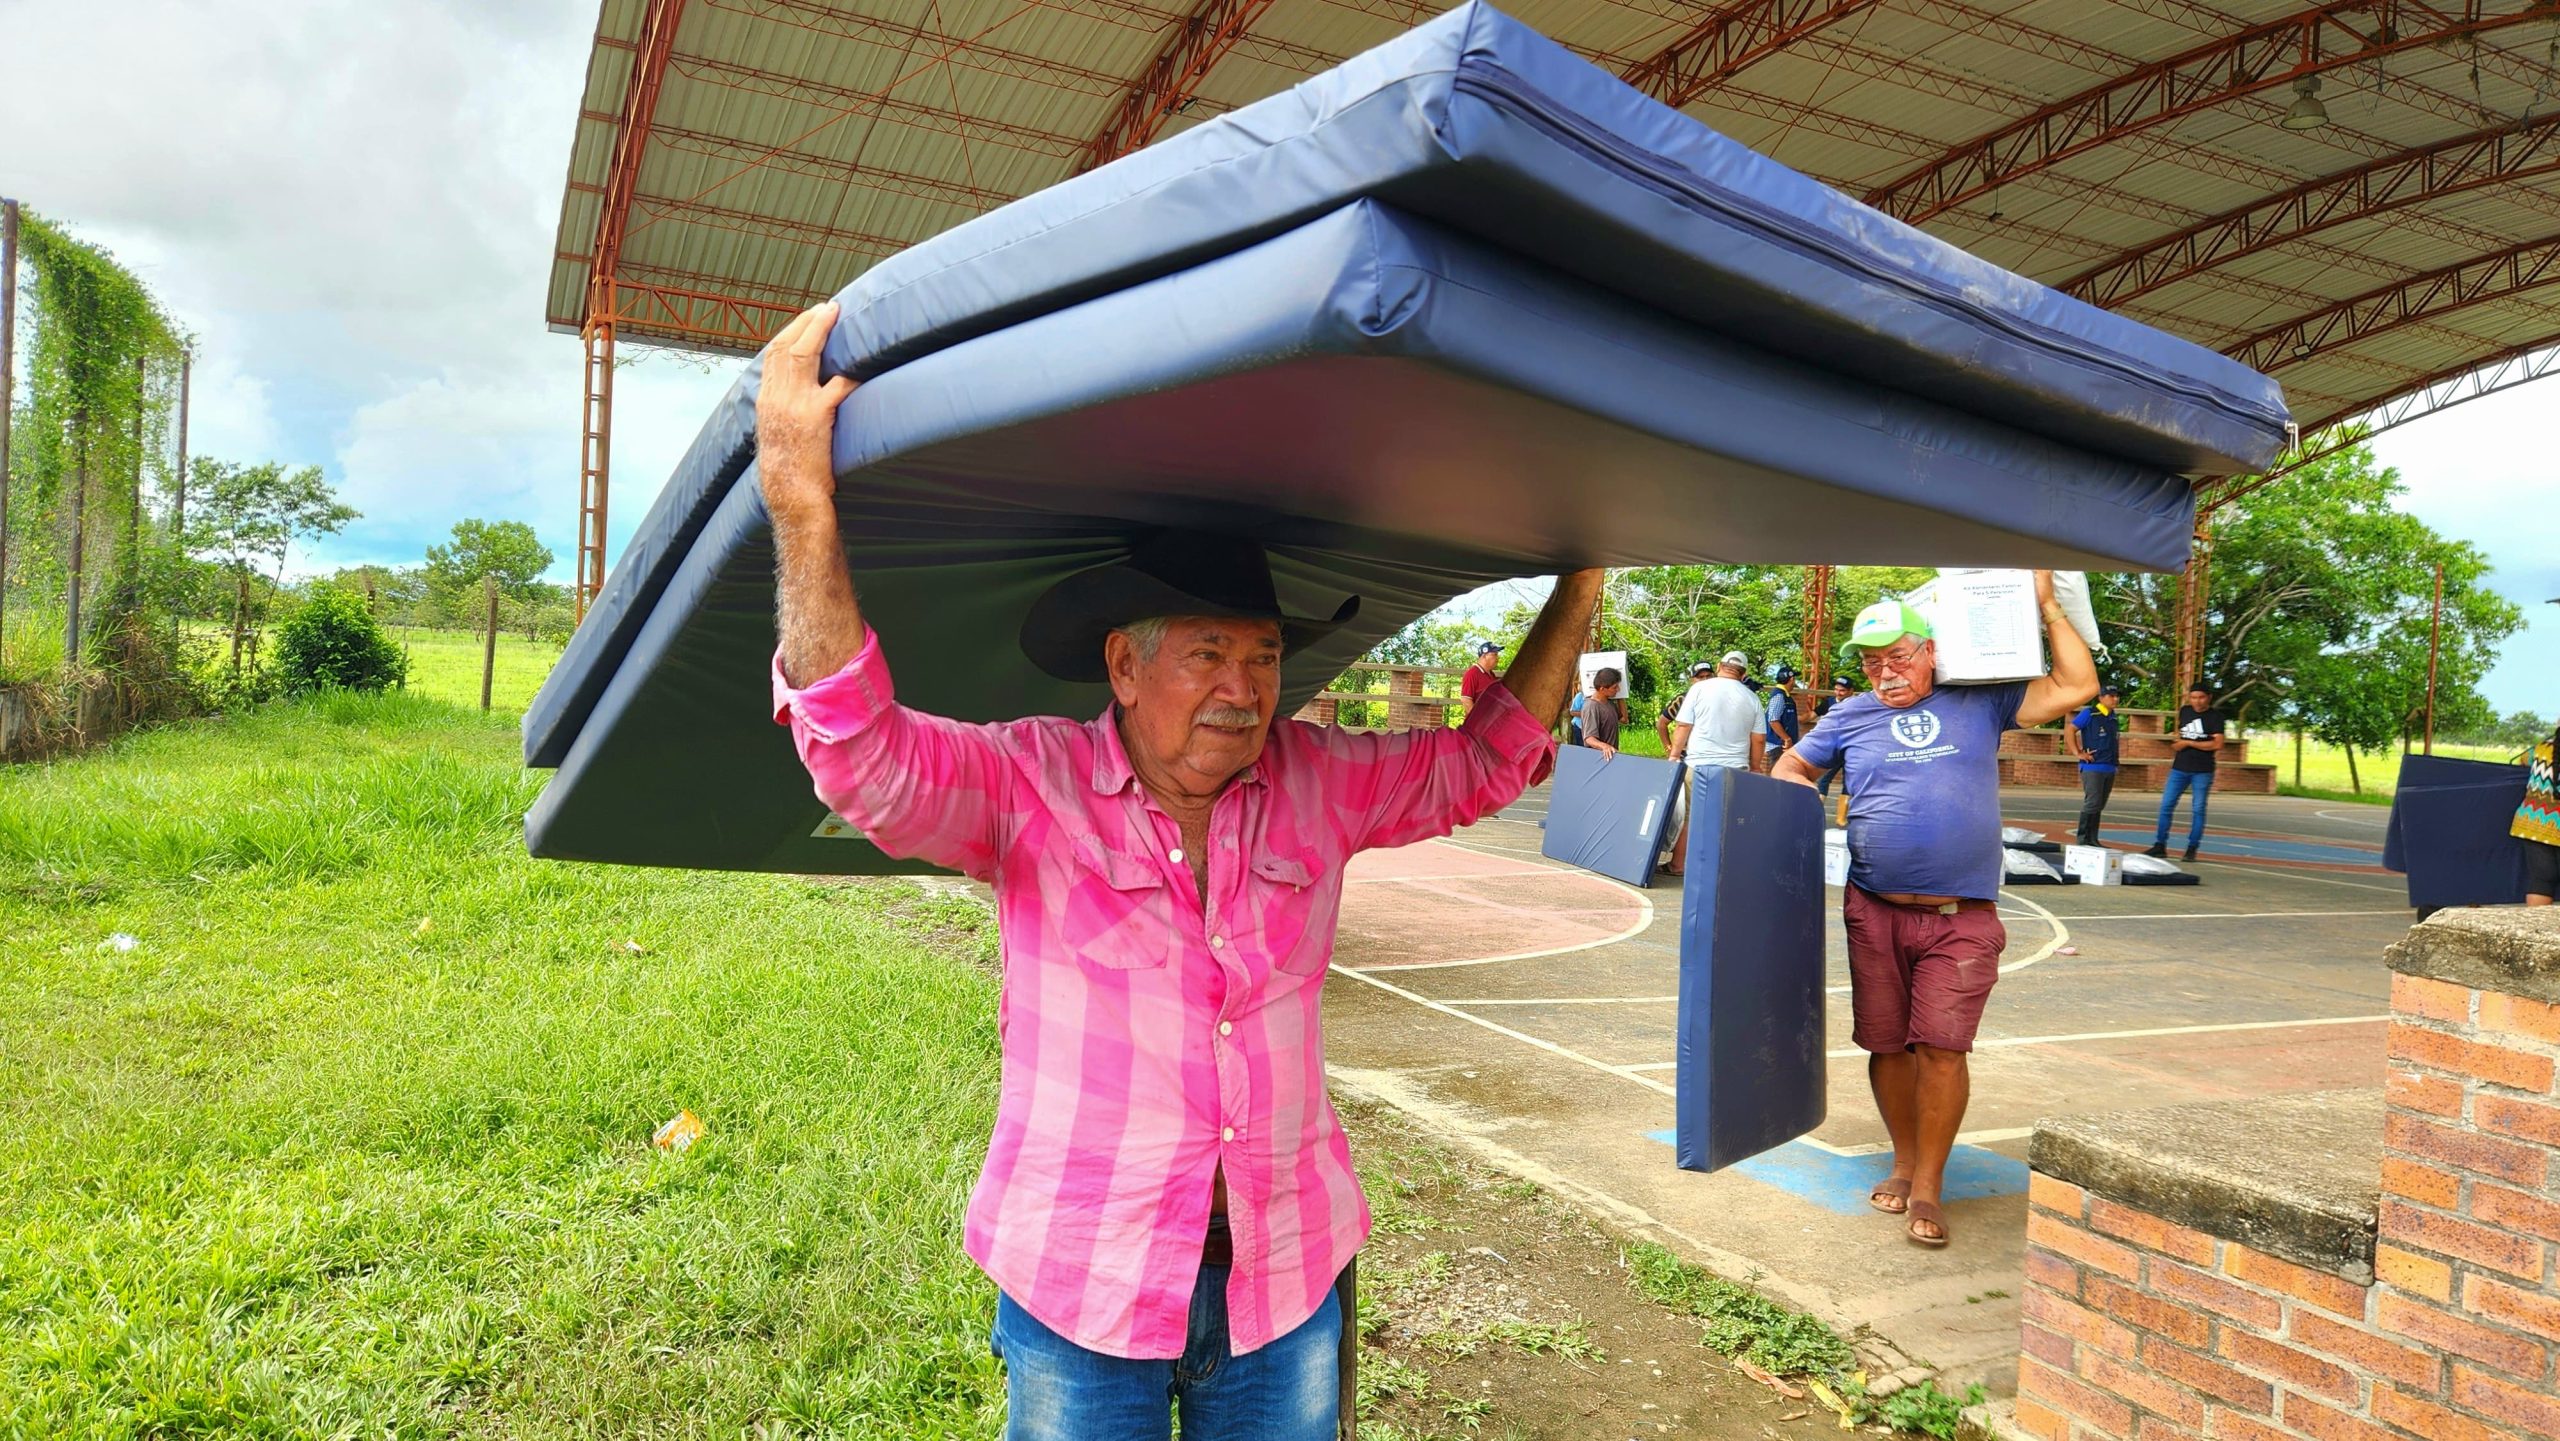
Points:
x=1526 y=1010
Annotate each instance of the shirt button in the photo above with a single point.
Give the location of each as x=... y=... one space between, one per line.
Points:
x=1226 y=1028
x=1228 y=1134
x=1175 y=855
x=1218 y=941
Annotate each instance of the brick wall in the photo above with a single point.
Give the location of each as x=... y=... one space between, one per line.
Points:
x=2138 y=1329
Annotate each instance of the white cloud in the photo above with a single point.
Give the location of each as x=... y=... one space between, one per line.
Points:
x=2487 y=472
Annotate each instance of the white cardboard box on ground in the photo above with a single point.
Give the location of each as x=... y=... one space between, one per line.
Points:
x=1988 y=627
x=2093 y=865
x=1835 y=858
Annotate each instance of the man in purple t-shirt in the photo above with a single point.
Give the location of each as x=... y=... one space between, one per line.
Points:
x=1924 y=872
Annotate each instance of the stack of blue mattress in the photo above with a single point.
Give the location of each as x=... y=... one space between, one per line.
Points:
x=1463 y=309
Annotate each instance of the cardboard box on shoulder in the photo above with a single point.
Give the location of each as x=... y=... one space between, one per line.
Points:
x=1987 y=625
x=2093 y=865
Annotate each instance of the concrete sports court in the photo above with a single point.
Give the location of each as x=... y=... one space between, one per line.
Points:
x=1526 y=1010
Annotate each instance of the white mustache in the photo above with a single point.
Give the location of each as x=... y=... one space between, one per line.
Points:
x=1226 y=715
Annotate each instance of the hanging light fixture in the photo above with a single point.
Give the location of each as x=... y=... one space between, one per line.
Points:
x=2306 y=112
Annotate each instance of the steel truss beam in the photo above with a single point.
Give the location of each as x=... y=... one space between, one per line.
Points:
x=817 y=94
x=703 y=319
x=2262 y=57
x=2431 y=395
x=772 y=227
x=968 y=53
x=823 y=167
x=1729 y=39
x=2526 y=150
x=1199 y=40
x=2420 y=297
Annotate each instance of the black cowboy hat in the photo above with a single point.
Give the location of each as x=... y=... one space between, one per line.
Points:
x=1168 y=573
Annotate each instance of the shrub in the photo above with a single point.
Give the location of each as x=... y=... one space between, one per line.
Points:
x=333 y=643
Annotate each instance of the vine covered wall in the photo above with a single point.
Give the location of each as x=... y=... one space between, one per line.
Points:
x=92 y=475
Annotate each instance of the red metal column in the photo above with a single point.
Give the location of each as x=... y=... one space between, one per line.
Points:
x=2194 y=588
x=595 y=451
x=1817 y=626
x=639 y=109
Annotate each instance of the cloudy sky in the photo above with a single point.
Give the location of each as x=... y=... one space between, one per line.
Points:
x=352 y=204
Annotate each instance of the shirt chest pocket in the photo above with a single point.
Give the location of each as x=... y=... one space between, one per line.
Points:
x=1123 y=914
x=1293 y=908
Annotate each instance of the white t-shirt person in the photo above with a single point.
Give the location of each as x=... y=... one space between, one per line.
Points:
x=1722 y=715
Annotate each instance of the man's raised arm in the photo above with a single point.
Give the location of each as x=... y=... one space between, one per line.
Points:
x=1541 y=674
x=820 y=621
x=2073 y=681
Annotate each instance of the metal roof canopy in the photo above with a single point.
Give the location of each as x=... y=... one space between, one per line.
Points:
x=2361 y=198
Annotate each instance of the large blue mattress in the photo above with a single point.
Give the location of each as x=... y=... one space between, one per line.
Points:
x=1402 y=412
x=1462 y=309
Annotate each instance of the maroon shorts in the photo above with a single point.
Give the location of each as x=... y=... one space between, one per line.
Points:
x=1918 y=977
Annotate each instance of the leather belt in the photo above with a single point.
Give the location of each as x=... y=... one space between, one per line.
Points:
x=1219 y=1249
x=1942 y=908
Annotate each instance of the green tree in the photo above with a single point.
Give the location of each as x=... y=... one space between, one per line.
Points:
x=244 y=517
x=2320 y=564
x=1432 y=640
x=332 y=642
x=506 y=549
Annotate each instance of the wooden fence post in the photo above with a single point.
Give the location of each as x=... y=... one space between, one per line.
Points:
x=489 y=652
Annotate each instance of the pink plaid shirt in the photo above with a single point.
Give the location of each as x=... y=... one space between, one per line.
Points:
x=1149 y=1040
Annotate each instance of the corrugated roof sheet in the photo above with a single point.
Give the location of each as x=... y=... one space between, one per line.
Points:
x=796 y=142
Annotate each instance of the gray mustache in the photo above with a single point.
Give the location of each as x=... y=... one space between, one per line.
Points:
x=1226 y=715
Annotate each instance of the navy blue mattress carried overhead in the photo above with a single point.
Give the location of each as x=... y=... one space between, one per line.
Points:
x=1463 y=309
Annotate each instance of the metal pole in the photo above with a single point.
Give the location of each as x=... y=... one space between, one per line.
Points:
x=178 y=505
x=8 y=389
x=2435 y=635
x=489 y=650
x=133 y=517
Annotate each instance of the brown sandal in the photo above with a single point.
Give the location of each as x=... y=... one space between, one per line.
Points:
x=1927 y=1211
x=1896 y=1188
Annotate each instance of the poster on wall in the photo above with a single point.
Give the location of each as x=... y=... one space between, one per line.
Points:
x=1592 y=663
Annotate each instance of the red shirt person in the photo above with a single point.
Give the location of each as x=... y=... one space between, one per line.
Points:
x=1480 y=674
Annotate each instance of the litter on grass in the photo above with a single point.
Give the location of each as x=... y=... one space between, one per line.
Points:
x=120 y=941
x=679 y=1133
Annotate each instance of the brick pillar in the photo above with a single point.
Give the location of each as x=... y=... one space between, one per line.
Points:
x=1404 y=715
x=2470 y=1210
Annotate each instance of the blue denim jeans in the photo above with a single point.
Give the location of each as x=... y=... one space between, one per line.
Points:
x=2177 y=781
x=1056 y=1390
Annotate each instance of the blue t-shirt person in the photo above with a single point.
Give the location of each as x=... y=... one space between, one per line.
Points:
x=1924 y=787
x=2098 y=731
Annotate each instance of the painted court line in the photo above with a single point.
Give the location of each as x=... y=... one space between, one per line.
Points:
x=1559 y=1000
x=2230 y=915
x=1499 y=1029
x=2003 y=1041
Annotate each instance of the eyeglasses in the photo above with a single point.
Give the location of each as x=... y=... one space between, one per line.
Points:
x=1898 y=659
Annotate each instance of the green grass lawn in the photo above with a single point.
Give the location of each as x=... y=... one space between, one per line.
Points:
x=445 y=665
x=2324 y=766
x=354 y=1139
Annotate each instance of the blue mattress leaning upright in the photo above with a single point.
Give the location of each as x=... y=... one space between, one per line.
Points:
x=1495 y=132
x=1402 y=412
x=1749 y=1063
x=1610 y=814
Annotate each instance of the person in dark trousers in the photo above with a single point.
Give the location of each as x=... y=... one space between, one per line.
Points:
x=2193 y=749
x=1782 y=724
x=1601 y=716
x=2092 y=736
x=1841 y=690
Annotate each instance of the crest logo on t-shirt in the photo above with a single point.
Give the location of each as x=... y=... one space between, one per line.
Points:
x=1915 y=729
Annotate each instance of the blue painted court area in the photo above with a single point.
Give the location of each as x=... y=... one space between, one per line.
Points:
x=2243 y=848
x=1841 y=1183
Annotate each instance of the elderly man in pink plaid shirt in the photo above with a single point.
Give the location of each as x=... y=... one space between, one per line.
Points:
x=1167 y=1200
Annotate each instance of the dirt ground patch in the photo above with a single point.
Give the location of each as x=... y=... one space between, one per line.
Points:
x=1492 y=1309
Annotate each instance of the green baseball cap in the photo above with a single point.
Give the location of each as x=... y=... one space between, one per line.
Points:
x=1882 y=624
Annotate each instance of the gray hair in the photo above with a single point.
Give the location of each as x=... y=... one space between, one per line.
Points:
x=1146 y=635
